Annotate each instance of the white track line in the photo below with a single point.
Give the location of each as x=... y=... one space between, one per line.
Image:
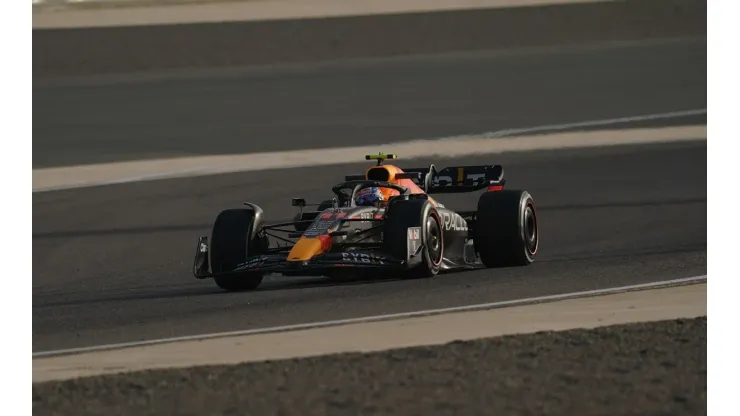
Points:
x=595 y=123
x=312 y=325
x=69 y=15
x=510 y=140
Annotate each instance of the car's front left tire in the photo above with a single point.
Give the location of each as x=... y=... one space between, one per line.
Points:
x=230 y=246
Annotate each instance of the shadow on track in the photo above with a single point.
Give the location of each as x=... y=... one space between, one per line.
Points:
x=323 y=282
x=212 y=290
x=623 y=204
x=692 y=248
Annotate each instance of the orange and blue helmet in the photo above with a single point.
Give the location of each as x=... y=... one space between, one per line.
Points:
x=369 y=197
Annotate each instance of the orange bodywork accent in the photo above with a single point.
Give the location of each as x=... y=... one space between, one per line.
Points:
x=408 y=183
x=307 y=248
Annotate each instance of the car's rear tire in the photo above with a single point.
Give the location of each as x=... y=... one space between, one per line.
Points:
x=415 y=213
x=506 y=229
x=230 y=245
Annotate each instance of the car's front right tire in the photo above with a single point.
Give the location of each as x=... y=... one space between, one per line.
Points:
x=415 y=213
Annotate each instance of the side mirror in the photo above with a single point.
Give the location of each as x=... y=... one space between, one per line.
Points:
x=298 y=202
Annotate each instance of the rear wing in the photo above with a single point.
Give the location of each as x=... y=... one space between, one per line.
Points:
x=456 y=179
x=453 y=179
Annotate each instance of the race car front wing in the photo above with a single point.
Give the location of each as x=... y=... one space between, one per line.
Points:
x=278 y=262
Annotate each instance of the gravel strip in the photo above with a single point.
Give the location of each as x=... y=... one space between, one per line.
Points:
x=639 y=369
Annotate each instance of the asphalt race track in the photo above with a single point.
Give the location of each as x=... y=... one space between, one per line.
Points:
x=112 y=264
x=368 y=101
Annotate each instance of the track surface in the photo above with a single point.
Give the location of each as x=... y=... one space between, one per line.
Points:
x=112 y=264
x=369 y=101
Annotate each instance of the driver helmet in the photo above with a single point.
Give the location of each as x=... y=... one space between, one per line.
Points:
x=369 y=197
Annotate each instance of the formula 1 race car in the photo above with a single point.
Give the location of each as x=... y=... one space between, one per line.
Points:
x=403 y=231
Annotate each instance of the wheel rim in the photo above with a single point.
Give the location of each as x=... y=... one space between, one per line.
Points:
x=531 y=234
x=434 y=240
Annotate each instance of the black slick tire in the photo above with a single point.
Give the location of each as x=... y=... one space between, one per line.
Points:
x=230 y=244
x=415 y=213
x=506 y=229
